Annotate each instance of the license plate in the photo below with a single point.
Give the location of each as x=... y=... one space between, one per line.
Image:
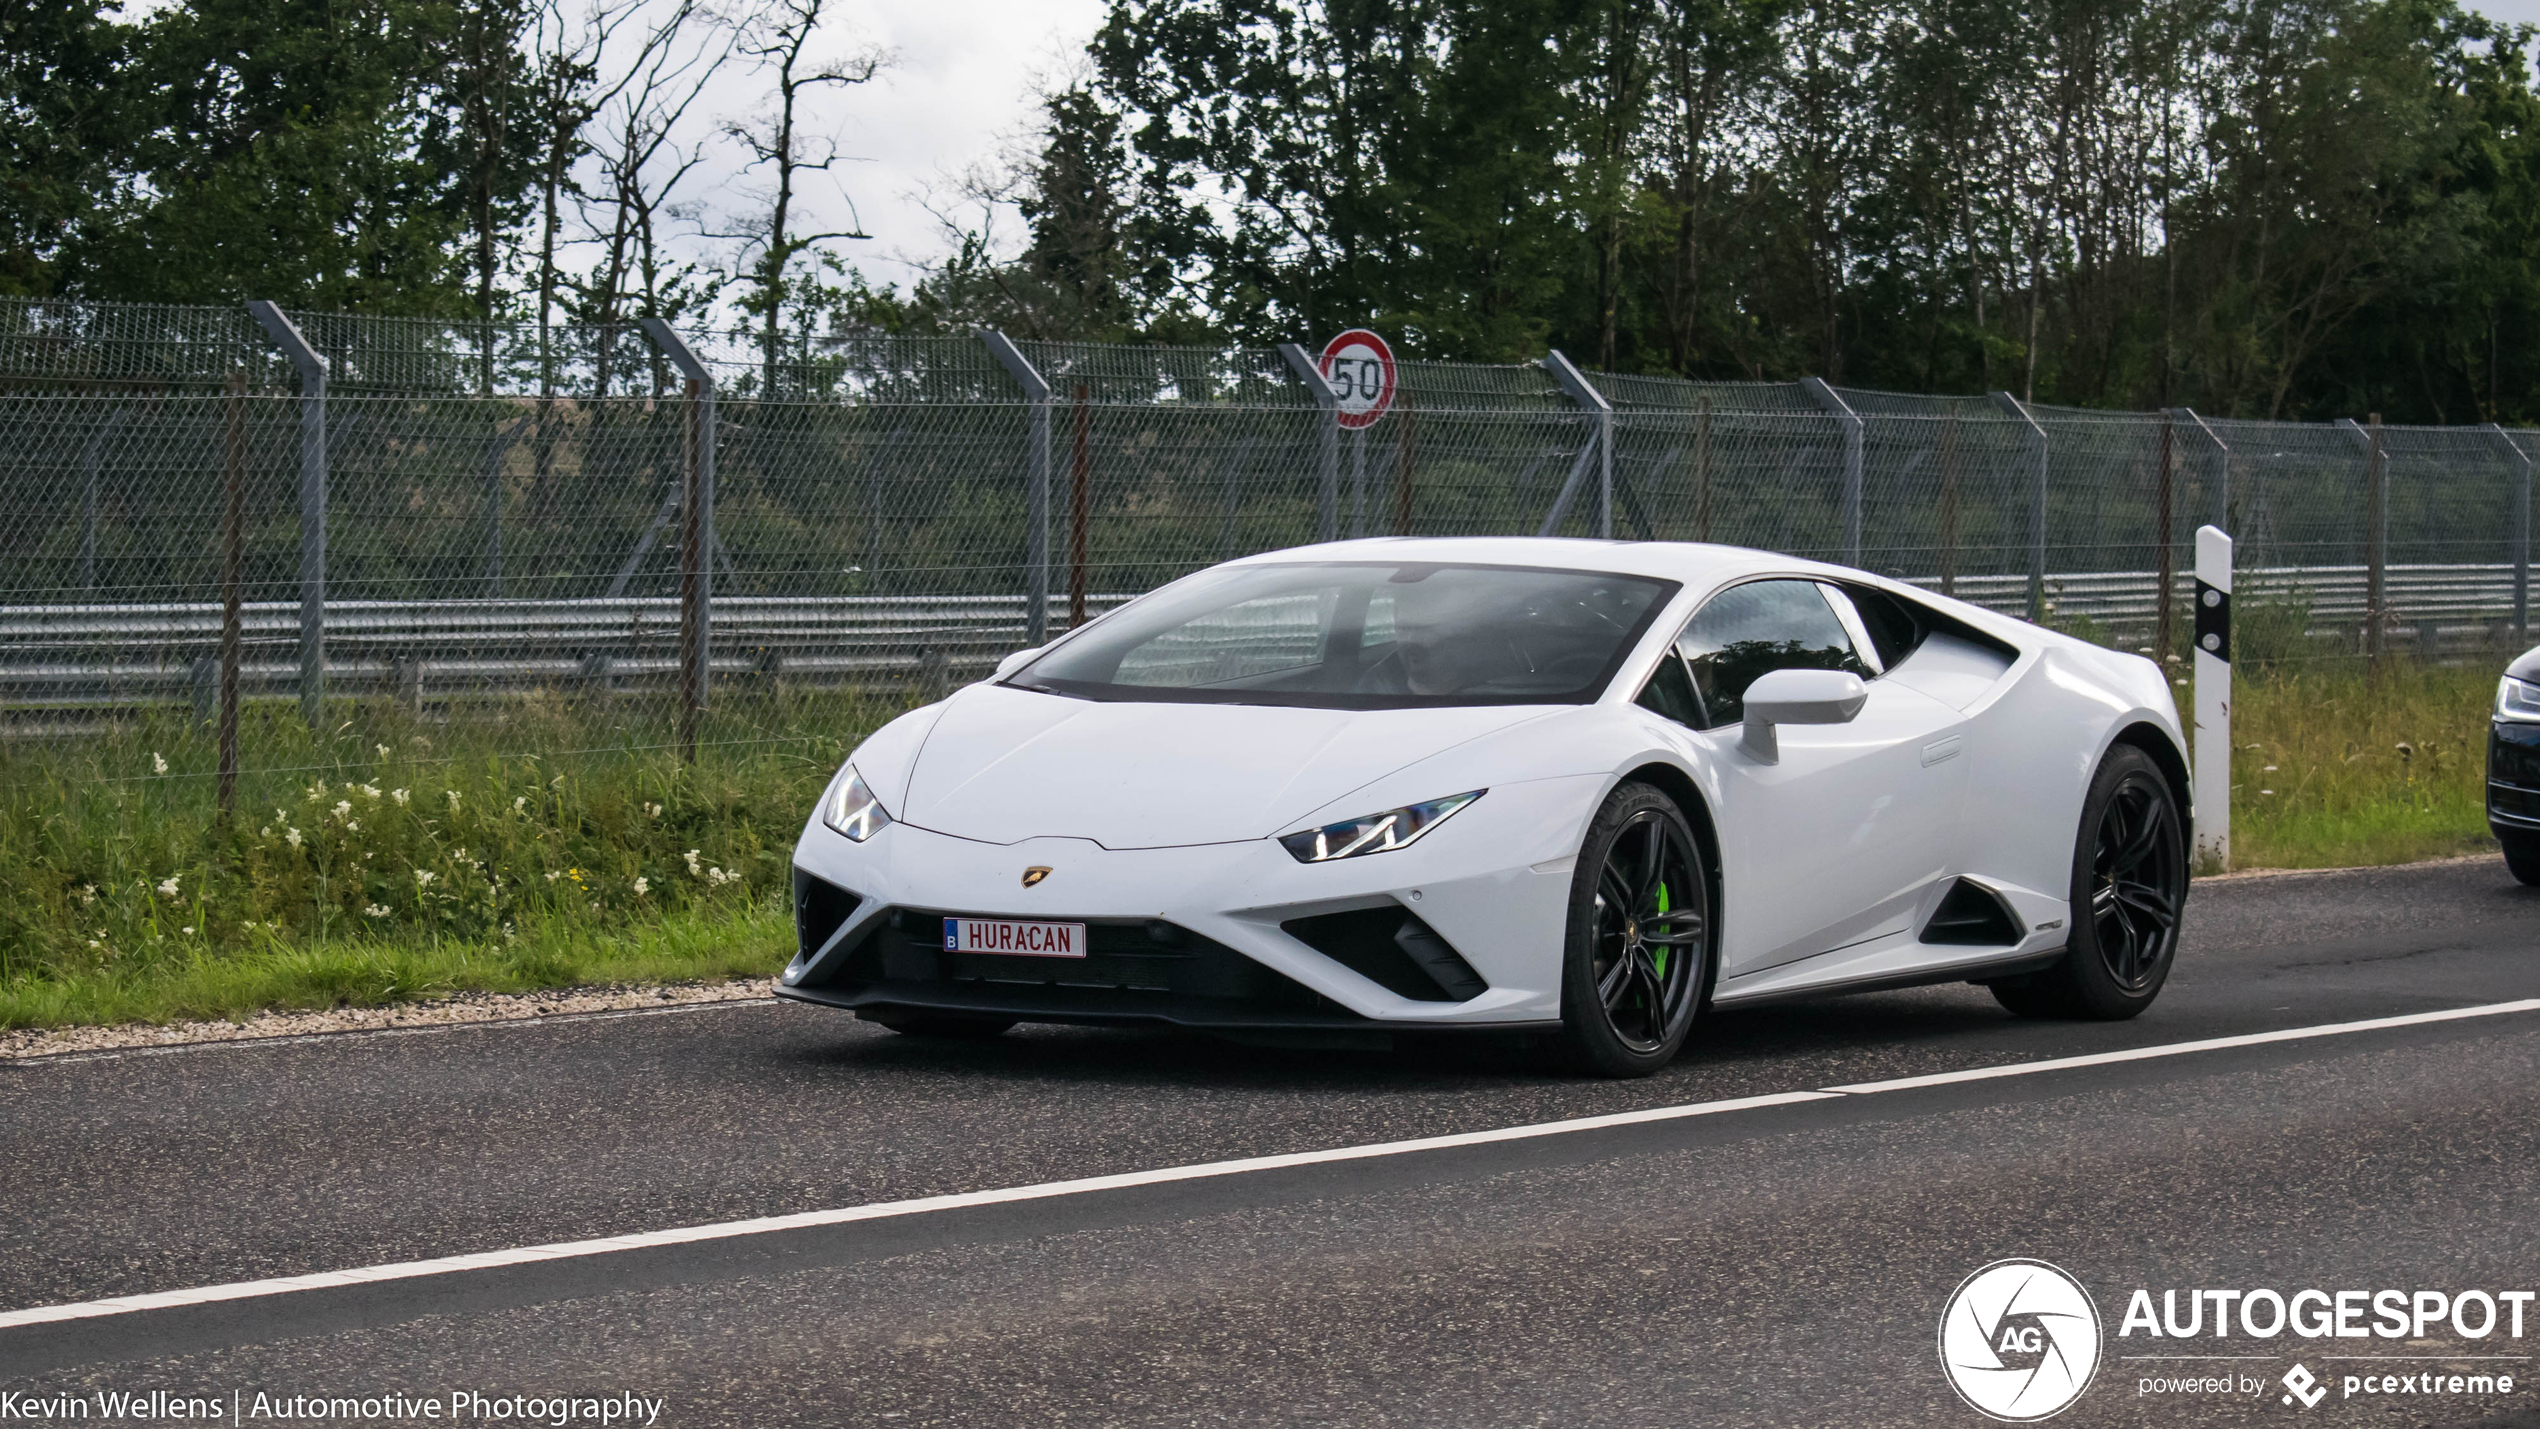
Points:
x=1009 y=938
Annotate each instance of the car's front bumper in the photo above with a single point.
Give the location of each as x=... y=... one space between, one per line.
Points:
x=1194 y=936
x=2513 y=778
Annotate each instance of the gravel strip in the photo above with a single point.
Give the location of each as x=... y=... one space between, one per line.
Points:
x=460 y=1007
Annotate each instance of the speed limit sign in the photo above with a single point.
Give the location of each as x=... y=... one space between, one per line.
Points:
x=1360 y=368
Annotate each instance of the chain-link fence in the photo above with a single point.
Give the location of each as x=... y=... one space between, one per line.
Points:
x=450 y=516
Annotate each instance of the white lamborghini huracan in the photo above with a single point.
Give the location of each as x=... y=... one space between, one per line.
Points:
x=1579 y=787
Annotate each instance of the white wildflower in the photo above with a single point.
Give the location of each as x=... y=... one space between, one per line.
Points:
x=2270 y=769
x=265 y=833
x=453 y=796
x=716 y=878
x=317 y=791
x=167 y=886
x=424 y=877
x=95 y=944
x=187 y=930
x=158 y=762
x=353 y=825
x=520 y=804
x=291 y=836
x=87 y=894
x=695 y=869
x=374 y=911
x=652 y=811
x=399 y=795
x=343 y=808
x=383 y=750
x=553 y=874
x=369 y=790
x=643 y=885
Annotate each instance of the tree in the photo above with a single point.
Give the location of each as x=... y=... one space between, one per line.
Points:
x=784 y=140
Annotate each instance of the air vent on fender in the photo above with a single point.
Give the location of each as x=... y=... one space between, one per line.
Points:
x=1972 y=915
x=1390 y=947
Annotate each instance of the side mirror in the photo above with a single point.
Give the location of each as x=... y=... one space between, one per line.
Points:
x=1798 y=697
x=1016 y=661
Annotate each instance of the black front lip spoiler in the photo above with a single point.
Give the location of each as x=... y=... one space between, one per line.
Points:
x=1091 y=1011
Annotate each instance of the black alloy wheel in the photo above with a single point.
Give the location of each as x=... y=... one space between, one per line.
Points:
x=2129 y=888
x=1639 y=957
x=2138 y=879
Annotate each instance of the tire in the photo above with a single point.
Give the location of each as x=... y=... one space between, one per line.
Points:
x=1637 y=959
x=940 y=1024
x=2129 y=886
x=2522 y=857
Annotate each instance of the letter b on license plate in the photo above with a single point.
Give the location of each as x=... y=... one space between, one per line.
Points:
x=1013 y=938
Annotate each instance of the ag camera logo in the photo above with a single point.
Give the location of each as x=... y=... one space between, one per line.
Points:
x=2019 y=1341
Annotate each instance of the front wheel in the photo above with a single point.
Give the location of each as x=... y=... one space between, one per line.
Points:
x=2129 y=886
x=1638 y=953
x=2522 y=857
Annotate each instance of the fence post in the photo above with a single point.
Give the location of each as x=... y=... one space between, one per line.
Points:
x=1827 y=398
x=2164 y=497
x=1601 y=419
x=2212 y=774
x=1080 y=503
x=2036 y=506
x=312 y=369
x=2376 y=535
x=1310 y=372
x=2521 y=541
x=696 y=533
x=2222 y=465
x=233 y=565
x=1036 y=480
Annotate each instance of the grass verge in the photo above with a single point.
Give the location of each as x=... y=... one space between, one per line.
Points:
x=389 y=859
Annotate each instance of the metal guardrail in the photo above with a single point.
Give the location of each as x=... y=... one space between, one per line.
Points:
x=63 y=656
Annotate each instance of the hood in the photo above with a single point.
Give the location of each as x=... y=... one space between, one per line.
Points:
x=1002 y=765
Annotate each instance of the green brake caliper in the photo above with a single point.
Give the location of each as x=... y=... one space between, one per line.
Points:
x=1658 y=955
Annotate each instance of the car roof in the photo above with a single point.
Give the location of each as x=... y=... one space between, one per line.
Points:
x=1694 y=564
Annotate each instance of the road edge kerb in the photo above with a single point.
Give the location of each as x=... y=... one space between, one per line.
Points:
x=1047 y=1190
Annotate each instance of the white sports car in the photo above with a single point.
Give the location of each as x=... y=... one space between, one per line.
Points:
x=1574 y=787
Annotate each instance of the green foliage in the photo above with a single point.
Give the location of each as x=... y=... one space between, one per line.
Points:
x=387 y=834
x=2331 y=767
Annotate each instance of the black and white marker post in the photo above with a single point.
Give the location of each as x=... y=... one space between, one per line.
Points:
x=2213 y=697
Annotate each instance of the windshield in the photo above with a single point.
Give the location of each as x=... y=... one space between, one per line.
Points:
x=1361 y=635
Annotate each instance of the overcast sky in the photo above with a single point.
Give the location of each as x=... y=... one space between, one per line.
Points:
x=961 y=88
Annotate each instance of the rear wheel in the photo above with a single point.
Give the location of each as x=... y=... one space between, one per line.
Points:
x=2522 y=857
x=1638 y=954
x=2129 y=885
x=939 y=1024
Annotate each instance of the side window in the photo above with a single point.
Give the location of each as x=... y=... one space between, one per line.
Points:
x=1750 y=629
x=1670 y=693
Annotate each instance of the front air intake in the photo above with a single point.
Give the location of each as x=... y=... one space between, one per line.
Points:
x=821 y=908
x=1972 y=915
x=1390 y=947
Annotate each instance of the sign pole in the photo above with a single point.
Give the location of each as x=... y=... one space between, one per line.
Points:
x=2213 y=697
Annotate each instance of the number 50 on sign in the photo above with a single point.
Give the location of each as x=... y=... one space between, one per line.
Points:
x=1360 y=368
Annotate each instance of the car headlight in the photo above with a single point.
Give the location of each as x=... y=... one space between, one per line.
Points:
x=1376 y=833
x=2518 y=700
x=853 y=810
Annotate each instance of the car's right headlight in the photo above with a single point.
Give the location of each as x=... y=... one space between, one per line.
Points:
x=853 y=810
x=1376 y=833
x=2518 y=700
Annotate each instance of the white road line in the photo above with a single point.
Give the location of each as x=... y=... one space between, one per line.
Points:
x=1047 y=1190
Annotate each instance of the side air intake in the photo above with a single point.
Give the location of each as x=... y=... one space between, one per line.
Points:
x=1972 y=915
x=1393 y=949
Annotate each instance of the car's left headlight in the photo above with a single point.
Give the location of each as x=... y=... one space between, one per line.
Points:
x=853 y=810
x=2518 y=701
x=1376 y=833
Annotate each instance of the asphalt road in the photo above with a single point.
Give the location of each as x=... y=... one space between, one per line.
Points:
x=1782 y=1265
